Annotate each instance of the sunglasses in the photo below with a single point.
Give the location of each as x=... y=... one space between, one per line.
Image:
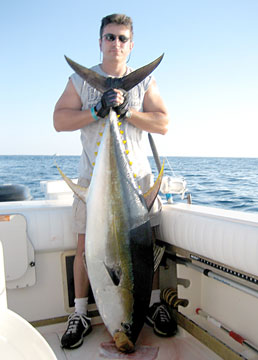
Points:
x=111 y=37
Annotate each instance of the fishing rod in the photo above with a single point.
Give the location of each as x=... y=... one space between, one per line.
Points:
x=157 y=159
x=230 y=332
x=158 y=165
x=154 y=152
x=215 y=276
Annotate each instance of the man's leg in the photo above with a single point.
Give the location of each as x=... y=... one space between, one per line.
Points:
x=81 y=280
x=79 y=324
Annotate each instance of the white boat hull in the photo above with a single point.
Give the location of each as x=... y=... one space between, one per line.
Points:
x=207 y=238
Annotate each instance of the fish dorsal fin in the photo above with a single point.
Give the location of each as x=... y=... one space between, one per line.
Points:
x=80 y=191
x=152 y=193
x=102 y=83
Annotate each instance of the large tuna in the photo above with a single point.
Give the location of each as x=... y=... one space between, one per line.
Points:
x=119 y=247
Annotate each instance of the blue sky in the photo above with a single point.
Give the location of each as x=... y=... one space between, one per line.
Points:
x=208 y=77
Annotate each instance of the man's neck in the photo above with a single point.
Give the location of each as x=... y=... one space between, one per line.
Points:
x=114 y=69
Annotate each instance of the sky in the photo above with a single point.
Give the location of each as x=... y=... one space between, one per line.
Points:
x=208 y=77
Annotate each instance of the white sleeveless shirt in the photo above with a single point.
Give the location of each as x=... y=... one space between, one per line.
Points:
x=91 y=134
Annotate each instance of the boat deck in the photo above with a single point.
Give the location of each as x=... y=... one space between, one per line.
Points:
x=183 y=346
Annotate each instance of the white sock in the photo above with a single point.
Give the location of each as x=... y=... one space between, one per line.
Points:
x=155 y=296
x=81 y=305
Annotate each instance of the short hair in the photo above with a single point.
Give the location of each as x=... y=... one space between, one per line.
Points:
x=118 y=19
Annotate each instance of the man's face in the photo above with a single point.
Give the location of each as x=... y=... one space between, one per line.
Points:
x=116 y=42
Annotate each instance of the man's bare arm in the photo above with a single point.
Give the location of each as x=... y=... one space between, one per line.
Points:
x=67 y=114
x=154 y=117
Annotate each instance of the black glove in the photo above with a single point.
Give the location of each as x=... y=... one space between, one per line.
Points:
x=107 y=101
x=124 y=107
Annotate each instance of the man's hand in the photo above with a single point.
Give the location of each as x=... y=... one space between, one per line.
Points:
x=113 y=98
x=123 y=107
x=108 y=100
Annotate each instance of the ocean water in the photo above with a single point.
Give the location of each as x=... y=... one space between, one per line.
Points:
x=229 y=183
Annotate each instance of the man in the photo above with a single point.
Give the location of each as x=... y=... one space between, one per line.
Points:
x=83 y=107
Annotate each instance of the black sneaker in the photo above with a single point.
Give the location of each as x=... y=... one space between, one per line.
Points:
x=161 y=319
x=78 y=326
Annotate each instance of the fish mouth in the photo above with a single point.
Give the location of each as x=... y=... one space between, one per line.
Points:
x=123 y=342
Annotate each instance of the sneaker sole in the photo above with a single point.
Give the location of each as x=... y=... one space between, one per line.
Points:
x=149 y=321
x=162 y=334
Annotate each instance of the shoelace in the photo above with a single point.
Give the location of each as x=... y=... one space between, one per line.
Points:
x=163 y=313
x=73 y=321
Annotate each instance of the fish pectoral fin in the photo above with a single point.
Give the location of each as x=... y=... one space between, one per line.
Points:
x=152 y=193
x=115 y=273
x=80 y=191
